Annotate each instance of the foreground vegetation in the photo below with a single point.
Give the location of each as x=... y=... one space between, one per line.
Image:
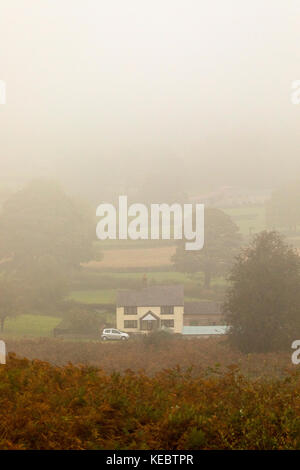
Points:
x=49 y=407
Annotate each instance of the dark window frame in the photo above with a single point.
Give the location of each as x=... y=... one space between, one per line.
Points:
x=130 y=310
x=135 y=322
x=167 y=320
x=167 y=307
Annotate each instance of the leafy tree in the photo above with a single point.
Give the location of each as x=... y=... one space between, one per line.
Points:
x=221 y=242
x=42 y=220
x=44 y=236
x=283 y=209
x=46 y=286
x=83 y=321
x=263 y=302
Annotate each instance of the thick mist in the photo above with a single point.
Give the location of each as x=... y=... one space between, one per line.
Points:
x=101 y=95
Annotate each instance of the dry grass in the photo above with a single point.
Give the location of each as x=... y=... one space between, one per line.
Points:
x=134 y=258
x=139 y=355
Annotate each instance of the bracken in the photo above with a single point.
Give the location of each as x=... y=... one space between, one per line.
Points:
x=49 y=407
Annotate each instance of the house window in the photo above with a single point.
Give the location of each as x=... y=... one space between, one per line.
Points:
x=130 y=310
x=167 y=310
x=130 y=323
x=167 y=323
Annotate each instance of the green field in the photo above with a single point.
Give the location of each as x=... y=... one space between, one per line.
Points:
x=94 y=296
x=30 y=325
x=155 y=277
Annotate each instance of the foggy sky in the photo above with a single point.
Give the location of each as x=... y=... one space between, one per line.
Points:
x=101 y=92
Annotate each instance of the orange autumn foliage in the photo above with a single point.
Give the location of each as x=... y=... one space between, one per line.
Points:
x=43 y=406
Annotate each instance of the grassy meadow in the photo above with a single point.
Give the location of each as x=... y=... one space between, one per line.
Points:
x=30 y=325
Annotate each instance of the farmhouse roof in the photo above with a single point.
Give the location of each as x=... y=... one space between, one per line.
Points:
x=154 y=296
x=202 y=308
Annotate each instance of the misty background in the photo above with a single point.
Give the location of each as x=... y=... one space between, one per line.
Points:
x=105 y=95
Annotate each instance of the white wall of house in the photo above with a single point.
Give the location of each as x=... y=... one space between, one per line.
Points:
x=177 y=316
x=2 y=353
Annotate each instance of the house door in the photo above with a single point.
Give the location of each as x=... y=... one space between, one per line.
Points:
x=149 y=325
x=149 y=322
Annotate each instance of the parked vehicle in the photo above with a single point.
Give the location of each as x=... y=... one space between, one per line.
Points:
x=113 y=334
